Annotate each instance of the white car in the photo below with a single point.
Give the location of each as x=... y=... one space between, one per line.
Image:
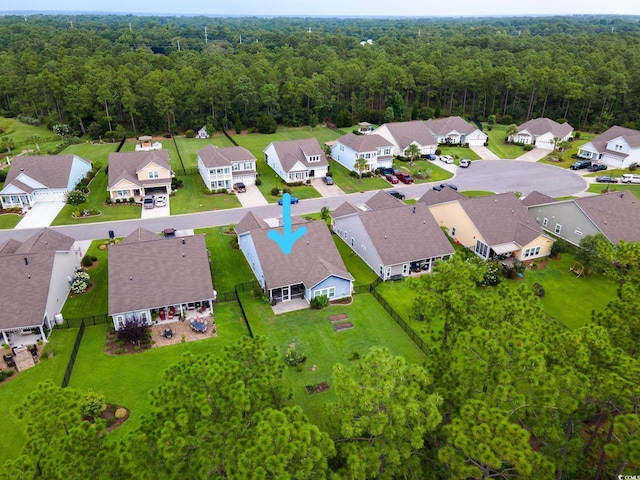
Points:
x=465 y=162
x=630 y=178
x=161 y=201
x=446 y=158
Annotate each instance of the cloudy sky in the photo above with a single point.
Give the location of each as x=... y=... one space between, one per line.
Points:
x=409 y=8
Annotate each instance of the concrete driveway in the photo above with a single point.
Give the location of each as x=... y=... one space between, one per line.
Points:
x=534 y=155
x=484 y=153
x=326 y=190
x=156 y=212
x=252 y=197
x=41 y=215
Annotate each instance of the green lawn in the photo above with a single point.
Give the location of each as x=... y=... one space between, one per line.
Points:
x=257 y=142
x=601 y=187
x=95 y=301
x=312 y=331
x=349 y=184
x=459 y=153
x=9 y=220
x=189 y=147
x=567 y=159
x=12 y=437
x=94 y=152
x=497 y=134
x=435 y=173
x=24 y=135
x=167 y=144
x=194 y=197
x=127 y=379
x=476 y=193
x=228 y=265
x=360 y=271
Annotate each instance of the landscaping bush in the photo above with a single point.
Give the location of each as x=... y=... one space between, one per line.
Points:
x=633 y=167
x=527 y=147
x=86 y=261
x=76 y=197
x=133 y=331
x=560 y=246
x=120 y=413
x=354 y=174
x=319 y=302
x=354 y=356
x=275 y=191
x=267 y=124
x=93 y=404
x=118 y=200
x=6 y=373
x=438 y=151
x=329 y=174
x=258 y=181
x=286 y=190
x=81 y=282
x=190 y=134
x=491 y=275
x=176 y=183
x=294 y=356
x=538 y=290
x=132 y=200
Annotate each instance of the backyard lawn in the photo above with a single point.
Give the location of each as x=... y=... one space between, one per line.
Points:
x=28 y=137
x=360 y=271
x=189 y=147
x=312 y=331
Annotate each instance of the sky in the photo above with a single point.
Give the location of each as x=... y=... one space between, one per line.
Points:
x=403 y=8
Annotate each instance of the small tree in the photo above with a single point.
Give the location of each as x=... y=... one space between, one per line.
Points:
x=413 y=152
x=93 y=404
x=491 y=120
x=238 y=125
x=361 y=165
x=62 y=129
x=134 y=330
x=76 y=197
x=325 y=213
x=512 y=130
x=266 y=124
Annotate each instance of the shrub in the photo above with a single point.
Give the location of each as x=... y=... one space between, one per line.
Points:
x=120 y=413
x=81 y=282
x=538 y=290
x=294 y=356
x=527 y=147
x=275 y=191
x=491 y=275
x=560 y=246
x=176 y=183
x=329 y=174
x=76 y=197
x=93 y=258
x=93 y=404
x=319 y=302
x=118 y=200
x=267 y=124
x=86 y=261
x=633 y=167
x=238 y=126
x=132 y=200
x=354 y=356
x=438 y=151
x=258 y=181
x=133 y=330
x=190 y=133
x=576 y=135
x=6 y=373
x=286 y=190
x=354 y=174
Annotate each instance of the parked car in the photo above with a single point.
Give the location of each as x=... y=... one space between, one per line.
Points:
x=293 y=200
x=391 y=178
x=397 y=194
x=580 y=164
x=328 y=180
x=446 y=158
x=431 y=156
x=630 y=178
x=606 y=179
x=596 y=167
x=387 y=171
x=148 y=201
x=161 y=201
x=239 y=187
x=449 y=185
x=465 y=162
x=404 y=177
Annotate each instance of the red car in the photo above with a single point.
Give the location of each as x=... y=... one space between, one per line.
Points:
x=391 y=179
x=404 y=177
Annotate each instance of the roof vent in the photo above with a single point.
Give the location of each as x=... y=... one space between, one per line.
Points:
x=130 y=277
x=26 y=261
x=621 y=195
x=414 y=209
x=183 y=241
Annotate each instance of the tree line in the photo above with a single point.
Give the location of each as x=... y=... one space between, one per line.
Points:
x=503 y=393
x=158 y=74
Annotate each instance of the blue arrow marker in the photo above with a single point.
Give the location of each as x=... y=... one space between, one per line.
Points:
x=287 y=238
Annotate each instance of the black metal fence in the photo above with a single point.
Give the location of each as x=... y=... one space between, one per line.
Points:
x=72 y=358
x=175 y=144
x=243 y=287
x=77 y=322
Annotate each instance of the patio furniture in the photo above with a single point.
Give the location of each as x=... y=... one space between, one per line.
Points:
x=200 y=326
x=172 y=312
x=8 y=359
x=163 y=315
x=168 y=333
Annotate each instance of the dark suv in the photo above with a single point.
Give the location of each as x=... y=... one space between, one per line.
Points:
x=397 y=194
x=580 y=164
x=387 y=171
x=404 y=177
x=596 y=167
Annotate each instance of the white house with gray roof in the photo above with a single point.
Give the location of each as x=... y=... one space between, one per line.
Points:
x=456 y=131
x=376 y=150
x=615 y=214
x=403 y=134
x=541 y=132
x=296 y=160
x=222 y=167
x=46 y=178
x=312 y=268
x=34 y=284
x=392 y=238
x=618 y=147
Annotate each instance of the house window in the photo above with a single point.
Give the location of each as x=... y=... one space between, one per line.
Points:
x=122 y=193
x=328 y=292
x=212 y=172
x=531 y=252
x=545 y=222
x=353 y=242
x=248 y=165
x=481 y=249
x=388 y=272
x=153 y=174
x=453 y=231
x=367 y=155
x=578 y=232
x=219 y=171
x=235 y=167
x=387 y=151
x=314 y=158
x=363 y=246
x=382 y=271
x=558 y=228
x=618 y=148
x=342 y=148
x=405 y=269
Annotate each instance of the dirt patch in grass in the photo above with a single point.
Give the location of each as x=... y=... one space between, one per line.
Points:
x=342 y=326
x=338 y=317
x=317 y=388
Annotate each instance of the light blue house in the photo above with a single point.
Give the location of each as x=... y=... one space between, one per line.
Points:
x=46 y=178
x=313 y=268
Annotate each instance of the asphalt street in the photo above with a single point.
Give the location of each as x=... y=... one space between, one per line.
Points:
x=489 y=175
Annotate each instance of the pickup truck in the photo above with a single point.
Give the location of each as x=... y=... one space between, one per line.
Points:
x=239 y=187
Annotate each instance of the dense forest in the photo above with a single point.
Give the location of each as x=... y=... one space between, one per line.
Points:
x=153 y=74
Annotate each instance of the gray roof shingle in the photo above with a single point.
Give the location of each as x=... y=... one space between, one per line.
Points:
x=405 y=133
x=223 y=157
x=125 y=166
x=632 y=137
x=364 y=143
x=443 y=126
x=52 y=171
x=382 y=200
x=616 y=214
x=536 y=198
x=291 y=151
x=434 y=197
x=542 y=125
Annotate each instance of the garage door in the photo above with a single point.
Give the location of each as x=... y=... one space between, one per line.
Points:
x=51 y=196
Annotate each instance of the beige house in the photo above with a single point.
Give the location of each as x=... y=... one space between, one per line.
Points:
x=492 y=226
x=136 y=174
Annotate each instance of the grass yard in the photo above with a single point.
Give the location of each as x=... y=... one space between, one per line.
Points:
x=28 y=137
x=312 y=331
x=167 y=144
x=567 y=159
x=349 y=184
x=435 y=173
x=360 y=271
x=459 y=153
x=497 y=134
x=194 y=197
x=601 y=187
x=228 y=265
x=95 y=301
x=16 y=389
x=9 y=220
x=127 y=379
x=189 y=147
x=476 y=193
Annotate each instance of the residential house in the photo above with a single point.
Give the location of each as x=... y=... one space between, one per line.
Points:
x=615 y=214
x=202 y=133
x=145 y=144
x=312 y=268
x=154 y=278
x=403 y=134
x=392 y=238
x=46 y=178
x=373 y=148
x=136 y=174
x=541 y=132
x=491 y=226
x=456 y=131
x=618 y=147
x=34 y=284
x=296 y=160
x=222 y=167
